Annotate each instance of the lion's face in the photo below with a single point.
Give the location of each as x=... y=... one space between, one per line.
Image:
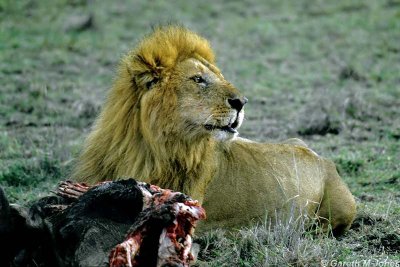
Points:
x=197 y=102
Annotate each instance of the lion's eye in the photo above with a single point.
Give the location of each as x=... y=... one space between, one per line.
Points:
x=198 y=79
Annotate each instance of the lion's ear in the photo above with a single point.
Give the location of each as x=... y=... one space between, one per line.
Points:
x=146 y=73
x=152 y=82
x=146 y=80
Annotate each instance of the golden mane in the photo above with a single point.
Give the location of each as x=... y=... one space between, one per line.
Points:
x=116 y=147
x=162 y=49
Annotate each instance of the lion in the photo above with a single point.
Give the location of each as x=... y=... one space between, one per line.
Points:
x=172 y=119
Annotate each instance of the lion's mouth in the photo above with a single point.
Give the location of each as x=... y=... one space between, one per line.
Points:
x=230 y=128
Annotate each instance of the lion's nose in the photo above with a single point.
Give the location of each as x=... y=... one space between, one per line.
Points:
x=237 y=103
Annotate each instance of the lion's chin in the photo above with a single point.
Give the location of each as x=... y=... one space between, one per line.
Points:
x=227 y=132
x=224 y=135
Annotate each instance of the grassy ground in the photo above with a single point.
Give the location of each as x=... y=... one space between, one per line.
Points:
x=324 y=71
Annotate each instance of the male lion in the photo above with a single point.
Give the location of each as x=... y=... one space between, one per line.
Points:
x=171 y=119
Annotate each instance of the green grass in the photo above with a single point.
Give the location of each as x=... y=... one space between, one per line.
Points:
x=324 y=71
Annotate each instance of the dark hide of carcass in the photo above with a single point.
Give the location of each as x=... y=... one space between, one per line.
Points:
x=123 y=223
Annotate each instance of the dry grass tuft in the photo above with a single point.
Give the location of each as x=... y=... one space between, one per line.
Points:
x=286 y=242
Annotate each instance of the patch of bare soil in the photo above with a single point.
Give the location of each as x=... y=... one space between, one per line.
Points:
x=376 y=234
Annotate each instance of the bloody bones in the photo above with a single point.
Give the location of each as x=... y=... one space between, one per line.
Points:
x=123 y=223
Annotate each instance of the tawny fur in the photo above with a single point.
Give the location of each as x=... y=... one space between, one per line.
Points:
x=152 y=128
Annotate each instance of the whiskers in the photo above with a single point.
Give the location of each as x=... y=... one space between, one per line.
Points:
x=209 y=119
x=219 y=120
